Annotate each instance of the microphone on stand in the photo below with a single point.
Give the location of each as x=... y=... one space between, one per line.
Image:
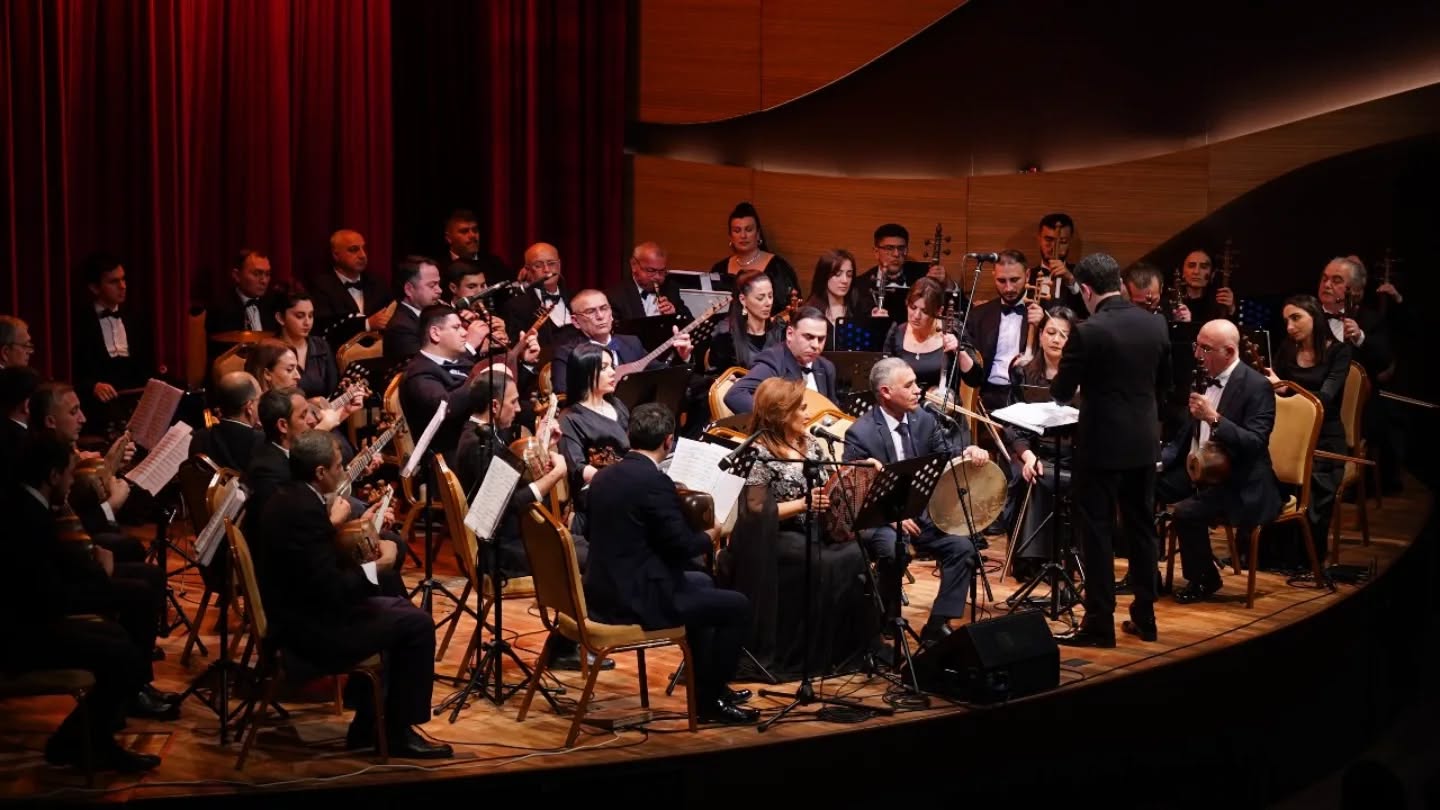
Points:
x=983 y=257
x=945 y=418
x=733 y=458
x=821 y=433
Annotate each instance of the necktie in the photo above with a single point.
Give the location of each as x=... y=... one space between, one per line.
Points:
x=905 y=443
x=110 y=313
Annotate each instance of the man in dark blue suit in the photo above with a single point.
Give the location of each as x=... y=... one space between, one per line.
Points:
x=595 y=319
x=798 y=358
x=640 y=552
x=1237 y=411
x=895 y=430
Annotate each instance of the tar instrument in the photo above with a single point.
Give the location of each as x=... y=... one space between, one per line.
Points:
x=1208 y=464
x=602 y=457
x=535 y=452
x=359 y=539
x=698 y=330
x=96 y=474
x=361 y=461
x=354 y=382
x=847 y=490
x=512 y=357
x=984 y=485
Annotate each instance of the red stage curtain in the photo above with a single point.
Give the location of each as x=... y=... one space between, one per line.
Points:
x=515 y=109
x=172 y=133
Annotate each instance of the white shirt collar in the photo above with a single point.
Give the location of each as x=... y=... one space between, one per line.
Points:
x=411 y=307
x=1224 y=376
x=45 y=502
x=890 y=421
x=238 y=422
x=317 y=493
x=99 y=308
x=20 y=422
x=437 y=359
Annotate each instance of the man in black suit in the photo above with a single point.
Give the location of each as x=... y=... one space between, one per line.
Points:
x=1120 y=359
x=635 y=297
x=232 y=441
x=284 y=416
x=112 y=353
x=1054 y=236
x=17 y=385
x=641 y=550
x=346 y=290
x=1237 y=411
x=798 y=358
x=998 y=329
x=437 y=373
x=891 y=272
x=420 y=281
x=241 y=307
x=16 y=345
x=462 y=241
x=327 y=609
x=595 y=319
x=542 y=269
x=897 y=430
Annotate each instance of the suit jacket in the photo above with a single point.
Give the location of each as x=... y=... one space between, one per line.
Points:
x=426 y=384
x=1120 y=359
x=268 y=470
x=627 y=347
x=1247 y=416
x=777 y=361
x=491 y=265
x=93 y=364
x=870 y=437
x=983 y=332
x=895 y=299
x=228 y=444
x=1377 y=352
x=12 y=440
x=520 y=311
x=477 y=446
x=640 y=545
x=625 y=299
x=1074 y=300
x=45 y=577
x=402 y=334
x=333 y=302
x=225 y=313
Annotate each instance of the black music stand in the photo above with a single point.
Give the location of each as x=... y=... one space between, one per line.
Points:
x=666 y=386
x=864 y=333
x=852 y=369
x=652 y=330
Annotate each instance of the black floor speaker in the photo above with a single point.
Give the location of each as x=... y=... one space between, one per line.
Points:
x=994 y=660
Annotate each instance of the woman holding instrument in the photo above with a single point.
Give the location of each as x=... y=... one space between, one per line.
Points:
x=746 y=331
x=594 y=429
x=1198 y=304
x=924 y=344
x=274 y=364
x=766 y=556
x=747 y=252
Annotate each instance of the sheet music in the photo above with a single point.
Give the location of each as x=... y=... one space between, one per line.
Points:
x=154 y=413
x=164 y=460
x=494 y=495
x=697 y=466
x=1038 y=417
x=423 y=443
x=208 y=540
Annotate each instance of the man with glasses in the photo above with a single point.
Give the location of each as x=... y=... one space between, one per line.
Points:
x=595 y=319
x=886 y=285
x=544 y=270
x=637 y=297
x=16 y=347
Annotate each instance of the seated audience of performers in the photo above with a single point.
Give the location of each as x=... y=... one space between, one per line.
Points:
x=17 y=385
x=274 y=364
x=326 y=608
x=295 y=322
x=884 y=286
x=748 y=252
x=640 y=571
x=1315 y=360
x=595 y=320
x=50 y=582
x=419 y=280
x=112 y=352
x=998 y=328
x=593 y=426
x=543 y=270
x=1145 y=287
x=241 y=306
x=746 y=331
x=649 y=291
x=765 y=559
x=1198 y=304
x=437 y=373
x=1054 y=236
x=834 y=291
x=233 y=440
x=346 y=290
x=1237 y=411
x=798 y=358
x=16 y=345
x=897 y=430
x=927 y=348
x=462 y=241
x=1036 y=373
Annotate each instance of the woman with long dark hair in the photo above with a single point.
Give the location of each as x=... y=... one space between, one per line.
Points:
x=746 y=331
x=594 y=429
x=748 y=252
x=834 y=292
x=294 y=320
x=924 y=344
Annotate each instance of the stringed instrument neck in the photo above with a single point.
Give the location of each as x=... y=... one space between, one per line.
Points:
x=693 y=328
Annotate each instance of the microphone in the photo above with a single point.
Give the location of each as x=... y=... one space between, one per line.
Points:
x=821 y=433
x=983 y=257
x=934 y=410
x=733 y=458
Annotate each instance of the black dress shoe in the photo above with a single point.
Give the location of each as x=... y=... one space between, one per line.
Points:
x=737 y=695
x=571 y=662
x=106 y=756
x=933 y=632
x=1146 y=632
x=408 y=744
x=1196 y=592
x=722 y=711
x=1086 y=637
x=151 y=704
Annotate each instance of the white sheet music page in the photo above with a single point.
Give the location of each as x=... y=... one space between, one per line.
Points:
x=696 y=465
x=207 y=542
x=164 y=460
x=152 y=416
x=1038 y=417
x=494 y=495
x=423 y=443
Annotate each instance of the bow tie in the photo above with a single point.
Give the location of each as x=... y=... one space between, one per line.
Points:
x=354 y=285
x=807 y=369
x=246 y=303
x=1213 y=382
x=1013 y=309
x=450 y=364
x=1335 y=316
x=553 y=298
x=647 y=294
x=109 y=313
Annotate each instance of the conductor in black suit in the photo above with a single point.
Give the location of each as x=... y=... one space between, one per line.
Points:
x=325 y=608
x=232 y=441
x=1120 y=359
x=896 y=430
x=437 y=373
x=1237 y=411
x=798 y=358
x=595 y=319
x=635 y=296
x=347 y=290
x=641 y=548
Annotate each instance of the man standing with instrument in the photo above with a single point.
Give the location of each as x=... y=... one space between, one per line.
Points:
x=1120 y=359
x=798 y=358
x=1236 y=412
x=896 y=430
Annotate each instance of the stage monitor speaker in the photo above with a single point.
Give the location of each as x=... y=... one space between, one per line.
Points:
x=995 y=660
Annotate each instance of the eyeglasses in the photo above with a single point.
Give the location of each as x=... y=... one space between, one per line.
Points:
x=899 y=250
x=1203 y=349
x=593 y=312
x=539 y=265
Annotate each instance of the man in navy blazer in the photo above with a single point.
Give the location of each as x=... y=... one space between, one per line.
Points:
x=798 y=358
x=594 y=318
x=640 y=552
x=896 y=429
x=1238 y=412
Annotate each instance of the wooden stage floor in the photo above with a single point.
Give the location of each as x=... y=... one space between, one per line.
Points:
x=309 y=753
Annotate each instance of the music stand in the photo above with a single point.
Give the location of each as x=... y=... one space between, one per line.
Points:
x=652 y=330
x=666 y=386
x=865 y=333
x=852 y=369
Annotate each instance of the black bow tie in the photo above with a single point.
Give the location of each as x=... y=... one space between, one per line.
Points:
x=450 y=364
x=807 y=369
x=109 y=313
x=553 y=298
x=647 y=294
x=246 y=303
x=354 y=285
x=1013 y=309
x=1213 y=382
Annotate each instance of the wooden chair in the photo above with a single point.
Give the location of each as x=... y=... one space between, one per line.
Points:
x=269 y=671
x=232 y=359
x=364 y=346
x=558 y=589
x=76 y=683
x=721 y=387
x=197 y=478
x=412 y=492
x=1352 y=416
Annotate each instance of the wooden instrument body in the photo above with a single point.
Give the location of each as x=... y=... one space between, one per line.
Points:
x=698 y=508
x=95 y=474
x=1208 y=464
x=699 y=330
x=359 y=539
x=535 y=450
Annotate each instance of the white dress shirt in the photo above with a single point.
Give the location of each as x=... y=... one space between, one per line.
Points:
x=355 y=292
x=250 y=307
x=651 y=301
x=894 y=425
x=1007 y=345
x=1213 y=394
x=117 y=343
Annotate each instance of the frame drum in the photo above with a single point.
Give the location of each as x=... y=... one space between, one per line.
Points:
x=987 y=488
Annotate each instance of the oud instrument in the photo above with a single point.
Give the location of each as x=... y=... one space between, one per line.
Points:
x=698 y=330
x=359 y=539
x=535 y=451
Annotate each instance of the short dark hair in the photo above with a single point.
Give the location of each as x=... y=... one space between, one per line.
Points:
x=459 y=269
x=274 y=406
x=487 y=387
x=649 y=425
x=1057 y=221
x=233 y=393
x=316 y=448
x=431 y=316
x=96 y=265
x=582 y=372
x=461 y=215
x=17 y=385
x=1142 y=275
x=409 y=268
x=41 y=455
x=1100 y=271
x=44 y=399
x=891 y=229
x=244 y=253
x=282 y=298
x=809 y=314
x=1013 y=255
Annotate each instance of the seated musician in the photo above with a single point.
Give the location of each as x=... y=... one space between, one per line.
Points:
x=1145 y=288
x=746 y=331
x=437 y=373
x=765 y=559
x=1237 y=411
x=895 y=430
x=998 y=327
x=17 y=385
x=16 y=345
x=925 y=345
x=1315 y=360
x=314 y=359
x=241 y=306
x=594 y=426
x=420 y=280
x=834 y=292
x=274 y=364
x=346 y=290
x=543 y=270
x=1198 y=304
x=649 y=292
x=1054 y=236
x=595 y=320
x=462 y=278
x=112 y=352
x=798 y=358
x=883 y=286
x=232 y=441
x=639 y=570
x=462 y=242
x=747 y=252
x=326 y=608
x=48 y=581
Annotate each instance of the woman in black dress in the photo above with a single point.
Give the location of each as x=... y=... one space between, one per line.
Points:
x=746 y=331
x=1314 y=360
x=834 y=292
x=747 y=252
x=767 y=551
x=594 y=428
x=925 y=345
x=294 y=319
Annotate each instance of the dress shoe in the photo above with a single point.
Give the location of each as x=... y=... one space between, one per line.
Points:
x=408 y=743
x=1122 y=585
x=934 y=631
x=736 y=695
x=1196 y=592
x=722 y=711
x=1146 y=632
x=151 y=704
x=571 y=662
x=107 y=755
x=1086 y=637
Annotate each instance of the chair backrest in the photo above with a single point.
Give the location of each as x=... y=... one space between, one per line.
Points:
x=195 y=345
x=194 y=477
x=1352 y=403
x=364 y=346
x=403 y=443
x=553 y=567
x=720 y=388
x=249 y=584
x=1292 y=441
x=452 y=501
x=233 y=359
x=840 y=423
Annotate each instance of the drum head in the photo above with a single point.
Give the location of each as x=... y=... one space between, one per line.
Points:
x=987 y=490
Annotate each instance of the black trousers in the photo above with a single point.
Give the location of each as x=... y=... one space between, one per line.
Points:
x=1194 y=511
x=716 y=622
x=103 y=648
x=1099 y=496
x=139 y=591
x=957 y=557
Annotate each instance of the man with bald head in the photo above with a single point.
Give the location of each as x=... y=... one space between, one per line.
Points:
x=595 y=320
x=636 y=296
x=543 y=269
x=232 y=441
x=347 y=290
x=1237 y=412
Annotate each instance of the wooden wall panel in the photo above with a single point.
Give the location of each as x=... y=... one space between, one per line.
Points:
x=699 y=60
x=682 y=206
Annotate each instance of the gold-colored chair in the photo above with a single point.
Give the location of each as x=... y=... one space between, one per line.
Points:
x=1352 y=416
x=721 y=387
x=559 y=591
x=200 y=481
x=269 y=672
x=364 y=346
